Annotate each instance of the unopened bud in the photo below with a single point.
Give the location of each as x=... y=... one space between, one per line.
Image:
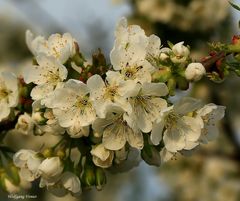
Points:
x=88 y=177
x=195 y=71
x=100 y=178
x=13 y=173
x=38 y=117
x=47 y=153
x=161 y=75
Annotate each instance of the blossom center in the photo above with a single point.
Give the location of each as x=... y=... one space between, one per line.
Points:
x=82 y=102
x=110 y=92
x=171 y=120
x=3 y=93
x=130 y=72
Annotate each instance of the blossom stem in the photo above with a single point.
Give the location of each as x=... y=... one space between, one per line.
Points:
x=58 y=143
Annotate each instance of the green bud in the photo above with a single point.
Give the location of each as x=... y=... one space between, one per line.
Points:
x=13 y=173
x=88 y=177
x=162 y=75
x=100 y=178
x=171 y=86
x=151 y=155
x=78 y=59
x=2 y=179
x=47 y=152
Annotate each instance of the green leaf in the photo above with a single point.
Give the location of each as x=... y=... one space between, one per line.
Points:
x=237 y=7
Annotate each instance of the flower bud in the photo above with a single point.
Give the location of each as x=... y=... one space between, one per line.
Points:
x=38 y=117
x=161 y=75
x=181 y=53
x=25 y=124
x=71 y=182
x=14 y=174
x=195 y=71
x=101 y=156
x=100 y=178
x=47 y=152
x=51 y=167
x=88 y=177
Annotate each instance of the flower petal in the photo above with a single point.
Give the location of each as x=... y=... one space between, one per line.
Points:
x=157 y=132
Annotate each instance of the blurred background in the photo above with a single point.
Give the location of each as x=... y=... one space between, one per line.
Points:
x=213 y=171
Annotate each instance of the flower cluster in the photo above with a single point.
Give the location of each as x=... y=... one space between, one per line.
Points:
x=110 y=116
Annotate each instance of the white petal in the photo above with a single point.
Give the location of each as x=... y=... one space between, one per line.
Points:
x=154 y=44
x=100 y=152
x=157 y=132
x=193 y=129
x=129 y=88
x=186 y=105
x=77 y=86
x=135 y=139
x=71 y=182
x=143 y=122
x=4 y=111
x=174 y=139
x=41 y=91
x=95 y=84
x=114 y=137
x=154 y=89
x=165 y=155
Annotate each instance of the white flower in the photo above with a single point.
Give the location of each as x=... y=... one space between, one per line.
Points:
x=68 y=182
x=195 y=71
x=146 y=106
x=44 y=120
x=71 y=182
x=28 y=162
x=129 y=53
x=101 y=156
x=57 y=46
x=180 y=53
x=181 y=131
x=8 y=93
x=114 y=92
x=210 y=114
x=72 y=107
x=47 y=75
x=116 y=131
x=50 y=168
x=25 y=124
